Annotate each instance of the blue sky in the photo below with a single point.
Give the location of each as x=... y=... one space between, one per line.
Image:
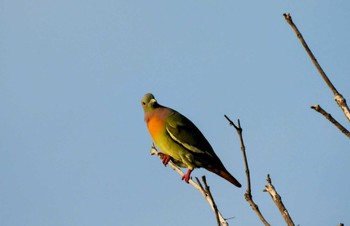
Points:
x=74 y=149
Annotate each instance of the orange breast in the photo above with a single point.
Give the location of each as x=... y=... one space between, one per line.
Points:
x=155 y=126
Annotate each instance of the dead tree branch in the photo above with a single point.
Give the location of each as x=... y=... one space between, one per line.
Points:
x=248 y=195
x=278 y=201
x=328 y=116
x=205 y=191
x=337 y=96
x=206 y=188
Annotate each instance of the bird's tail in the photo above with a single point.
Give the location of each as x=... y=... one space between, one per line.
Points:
x=225 y=174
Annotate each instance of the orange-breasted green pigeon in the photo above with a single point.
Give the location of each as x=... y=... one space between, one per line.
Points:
x=180 y=140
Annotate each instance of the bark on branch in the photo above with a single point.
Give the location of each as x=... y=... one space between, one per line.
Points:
x=248 y=195
x=278 y=201
x=328 y=116
x=339 y=99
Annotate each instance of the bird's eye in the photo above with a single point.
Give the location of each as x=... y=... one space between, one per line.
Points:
x=143 y=103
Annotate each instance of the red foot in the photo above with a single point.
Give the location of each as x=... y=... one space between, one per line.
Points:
x=187 y=176
x=166 y=159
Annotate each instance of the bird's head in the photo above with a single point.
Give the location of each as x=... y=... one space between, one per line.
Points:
x=149 y=102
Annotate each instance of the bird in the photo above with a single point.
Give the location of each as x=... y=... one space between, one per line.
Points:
x=180 y=141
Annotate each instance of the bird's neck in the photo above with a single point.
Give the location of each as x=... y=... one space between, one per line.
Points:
x=159 y=111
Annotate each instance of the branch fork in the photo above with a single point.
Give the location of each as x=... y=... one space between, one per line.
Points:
x=339 y=99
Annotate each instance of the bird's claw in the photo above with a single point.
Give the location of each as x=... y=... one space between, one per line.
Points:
x=165 y=159
x=186 y=177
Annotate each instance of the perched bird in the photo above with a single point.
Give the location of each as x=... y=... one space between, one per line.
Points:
x=180 y=140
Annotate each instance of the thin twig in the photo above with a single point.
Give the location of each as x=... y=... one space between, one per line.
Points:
x=207 y=189
x=328 y=116
x=248 y=195
x=289 y=20
x=239 y=131
x=278 y=201
x=337 y=96
x=206 y=194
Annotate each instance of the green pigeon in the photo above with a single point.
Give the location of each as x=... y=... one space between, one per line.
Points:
x=181 y=141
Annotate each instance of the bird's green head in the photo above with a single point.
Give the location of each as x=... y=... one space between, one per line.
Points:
x=149 y=102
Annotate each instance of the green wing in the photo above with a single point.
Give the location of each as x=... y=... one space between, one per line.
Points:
x=184 y=132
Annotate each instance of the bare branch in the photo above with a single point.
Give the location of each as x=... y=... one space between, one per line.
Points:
x=328 y=116
x=278 y=201
x=289 y=20
x=204 y=191
x=337 y=96
x=248 y=195
x=342 y=104
x=239 y=132
x=207 y=189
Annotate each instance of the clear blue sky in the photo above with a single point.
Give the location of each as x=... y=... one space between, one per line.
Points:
x=74 y=149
